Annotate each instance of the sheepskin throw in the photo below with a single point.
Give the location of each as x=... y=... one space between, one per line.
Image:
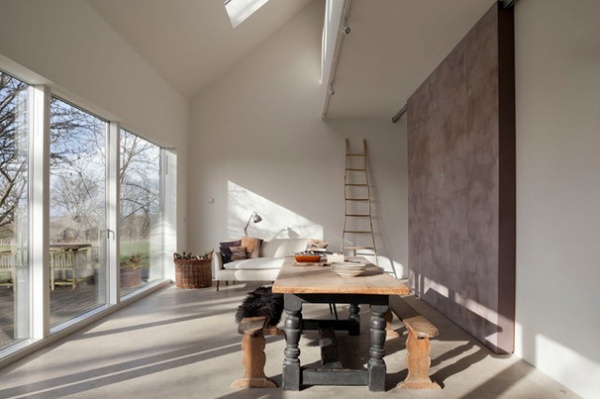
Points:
x=261 y=302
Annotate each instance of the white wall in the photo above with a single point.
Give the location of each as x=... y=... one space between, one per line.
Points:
x=65 y=44
x=558 y=189
x=259 y=127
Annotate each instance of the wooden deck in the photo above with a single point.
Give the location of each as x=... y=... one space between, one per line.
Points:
x=65 y=304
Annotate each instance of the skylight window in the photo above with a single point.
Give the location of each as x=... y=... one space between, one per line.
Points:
x=240 y=10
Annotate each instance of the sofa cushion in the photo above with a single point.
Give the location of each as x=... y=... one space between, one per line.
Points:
x=252 y=245
x=281 y=247
x=238 y=252
x=255 y=264
x=224 y=248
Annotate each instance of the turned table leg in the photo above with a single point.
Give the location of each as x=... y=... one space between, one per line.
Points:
x=376 y=365
x=354 y=317
x=292 y=326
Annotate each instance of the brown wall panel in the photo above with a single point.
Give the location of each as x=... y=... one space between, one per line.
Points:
x=462 y=183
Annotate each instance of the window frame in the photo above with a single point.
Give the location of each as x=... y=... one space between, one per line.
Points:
x=40 y=331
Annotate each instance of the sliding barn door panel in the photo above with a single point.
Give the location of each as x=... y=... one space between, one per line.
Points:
x=461 y=155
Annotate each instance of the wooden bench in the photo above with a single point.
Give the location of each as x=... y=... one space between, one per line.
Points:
x=420 y=330
x=254 y=330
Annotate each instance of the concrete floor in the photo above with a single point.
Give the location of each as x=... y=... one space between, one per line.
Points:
x=183 y=344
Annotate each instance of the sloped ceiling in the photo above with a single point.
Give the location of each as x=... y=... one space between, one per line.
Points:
x=392 y=47
x=191 y=42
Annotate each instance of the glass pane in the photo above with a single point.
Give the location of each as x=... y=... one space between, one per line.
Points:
x=14 y=273
x=77 y=212
x=141 y=234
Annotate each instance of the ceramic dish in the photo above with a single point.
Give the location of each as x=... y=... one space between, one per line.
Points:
x=348 y=269
x=307 y=258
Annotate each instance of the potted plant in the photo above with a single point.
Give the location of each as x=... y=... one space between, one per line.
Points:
x=131 y=271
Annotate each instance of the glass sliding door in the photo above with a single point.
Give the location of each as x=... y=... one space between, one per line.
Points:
x=141 y=232
x=77 y=260
x=14 y=270
x=59 y=161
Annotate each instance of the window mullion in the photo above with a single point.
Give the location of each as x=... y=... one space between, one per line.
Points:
x=114 y=214
x=39 y=211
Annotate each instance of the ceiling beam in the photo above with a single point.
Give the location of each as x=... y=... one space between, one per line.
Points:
x=342 y=30
x=402 y=111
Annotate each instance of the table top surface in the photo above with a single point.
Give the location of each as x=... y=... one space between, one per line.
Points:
x=315 y=279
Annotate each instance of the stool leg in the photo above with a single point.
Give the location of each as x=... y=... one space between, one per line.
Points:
x=390 y=332
x=254 y=359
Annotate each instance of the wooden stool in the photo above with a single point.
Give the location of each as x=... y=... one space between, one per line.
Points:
x=253 y=330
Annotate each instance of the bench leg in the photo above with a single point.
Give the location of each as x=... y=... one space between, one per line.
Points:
x=253 y=359
x=389 y=331
x=417 y=362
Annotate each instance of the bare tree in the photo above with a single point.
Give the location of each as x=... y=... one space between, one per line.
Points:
x=77 y=162
x=139 y=179
x=13 y=160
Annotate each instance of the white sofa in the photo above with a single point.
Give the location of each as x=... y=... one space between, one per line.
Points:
x=265 y=267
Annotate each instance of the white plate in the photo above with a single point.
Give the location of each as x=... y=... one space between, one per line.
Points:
x=348 y=272
x=348 y=265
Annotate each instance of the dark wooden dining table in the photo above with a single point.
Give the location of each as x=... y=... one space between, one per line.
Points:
x=319 y=284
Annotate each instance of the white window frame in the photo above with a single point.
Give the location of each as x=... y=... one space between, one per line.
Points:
x=40 y=332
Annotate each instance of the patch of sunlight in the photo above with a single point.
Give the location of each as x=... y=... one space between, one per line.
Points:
x=566 y=365
x=486 y=315
x=276 y=220
x=240 y=10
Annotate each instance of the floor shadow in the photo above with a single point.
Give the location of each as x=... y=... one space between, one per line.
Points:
x=263 y=393
x=501 y=382
x=102 y=376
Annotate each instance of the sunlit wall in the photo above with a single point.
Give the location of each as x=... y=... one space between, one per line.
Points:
x=558 y=189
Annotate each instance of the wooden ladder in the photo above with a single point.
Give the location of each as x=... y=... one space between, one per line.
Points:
x=358 y=224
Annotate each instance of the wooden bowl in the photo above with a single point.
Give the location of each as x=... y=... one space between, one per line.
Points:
x=307 y=258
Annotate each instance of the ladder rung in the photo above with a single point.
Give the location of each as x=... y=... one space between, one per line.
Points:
x=356 y=170
x=355 y=154
x=358 y=232
x=357 y=184
x=357 y=199
x=354 y=215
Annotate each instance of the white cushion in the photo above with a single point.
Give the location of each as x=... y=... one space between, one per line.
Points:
x=255 y=264
x=282 y=247
x=247 y=275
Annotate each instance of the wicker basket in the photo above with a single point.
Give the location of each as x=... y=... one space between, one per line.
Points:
x=193 y=273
